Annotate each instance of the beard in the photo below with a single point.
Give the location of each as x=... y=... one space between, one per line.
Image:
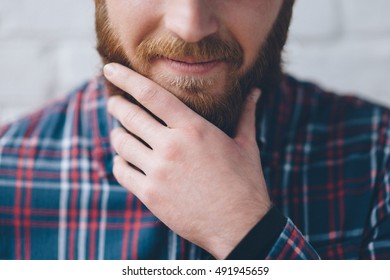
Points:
x=222 y=108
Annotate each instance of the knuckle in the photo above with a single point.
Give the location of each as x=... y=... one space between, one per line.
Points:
x=160 y=173
x=122 y=143
x=170 y=151
x=120 y=174
x=132 y=116
x=149 y=195
x=127 y=81
x=195 y=132
x=147 y=95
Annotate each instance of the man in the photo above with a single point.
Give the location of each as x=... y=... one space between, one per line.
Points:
x=207 y=149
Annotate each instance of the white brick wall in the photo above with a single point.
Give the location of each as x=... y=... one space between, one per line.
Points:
x=47 y=48
x=344 y=45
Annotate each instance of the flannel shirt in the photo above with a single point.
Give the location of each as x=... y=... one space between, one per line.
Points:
x=326 y=162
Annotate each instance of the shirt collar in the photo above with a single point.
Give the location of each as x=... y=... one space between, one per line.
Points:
x=274 y=114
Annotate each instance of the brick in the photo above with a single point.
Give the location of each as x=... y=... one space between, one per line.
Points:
x=356 y=67
x=362 y=17
x=12 y=113
x=77 y=62
x=47 y=18
x=4 y=8
x=316 y=19
x=26 y=72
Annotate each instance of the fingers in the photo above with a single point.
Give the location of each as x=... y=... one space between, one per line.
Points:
x=136 y=120
x=128 y=177
x=246 y=130
x=153 y=97
x=130 y=149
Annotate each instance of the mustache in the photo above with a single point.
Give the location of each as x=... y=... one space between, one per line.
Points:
x=209 y=48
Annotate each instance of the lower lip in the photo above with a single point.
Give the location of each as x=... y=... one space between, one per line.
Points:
x=191 y=68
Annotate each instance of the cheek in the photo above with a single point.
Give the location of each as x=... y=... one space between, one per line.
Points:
x=132 y=20
x=254 y=27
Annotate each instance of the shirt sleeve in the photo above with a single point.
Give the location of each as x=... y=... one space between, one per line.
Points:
x=291 y=245
x=274 y=237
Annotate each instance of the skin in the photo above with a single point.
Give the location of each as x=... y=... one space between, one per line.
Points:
x=247 y=21
x=188 y=181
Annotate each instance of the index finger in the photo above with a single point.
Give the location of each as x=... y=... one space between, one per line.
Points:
x=157 y=100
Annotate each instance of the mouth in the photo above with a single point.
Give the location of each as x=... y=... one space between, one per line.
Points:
x=191 y=60
x=190 y=66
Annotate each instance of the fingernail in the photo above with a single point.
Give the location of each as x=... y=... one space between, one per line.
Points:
x=109 y=70
x=256 y=93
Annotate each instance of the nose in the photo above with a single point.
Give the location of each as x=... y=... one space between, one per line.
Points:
x=191 y=20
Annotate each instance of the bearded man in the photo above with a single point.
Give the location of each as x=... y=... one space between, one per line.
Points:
x=195 y=145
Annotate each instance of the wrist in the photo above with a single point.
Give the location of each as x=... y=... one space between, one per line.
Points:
x=223 y=242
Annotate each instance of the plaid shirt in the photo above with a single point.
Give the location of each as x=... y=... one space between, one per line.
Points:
x=326 y=161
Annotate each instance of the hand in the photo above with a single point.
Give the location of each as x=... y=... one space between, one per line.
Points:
x=204 y=185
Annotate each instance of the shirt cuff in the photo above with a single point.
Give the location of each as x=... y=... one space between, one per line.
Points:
x=260 y=239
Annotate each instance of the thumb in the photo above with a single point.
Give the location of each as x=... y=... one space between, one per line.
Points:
x=246 y=128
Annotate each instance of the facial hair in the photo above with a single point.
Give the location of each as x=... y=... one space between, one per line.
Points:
x=223 y=108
